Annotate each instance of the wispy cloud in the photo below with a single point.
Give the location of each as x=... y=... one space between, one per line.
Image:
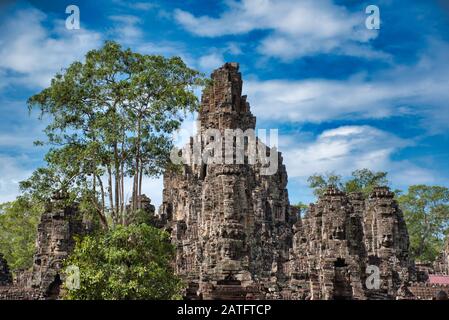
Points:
x=297 y=28
x=11 y=173
x=30 y=54
x=419 y=90
x=347 y=148
x=126 y=28
x=210 y=61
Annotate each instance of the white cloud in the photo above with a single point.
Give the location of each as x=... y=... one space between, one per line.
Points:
x=144 y=6
x=347 y=148
x=210 y=61
x=11 y=173
x=419 y=90
x=298 y=28
x=34 y=54
x=126 y=28
x=342 y=149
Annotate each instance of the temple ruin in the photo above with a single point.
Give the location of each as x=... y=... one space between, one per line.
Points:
x=55 y=241
x=237 y=236
x=229 y=222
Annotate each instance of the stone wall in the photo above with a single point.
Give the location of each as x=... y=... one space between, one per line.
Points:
x=12 y=291
x=55 y=240
x=328 y=252
x=20 y=293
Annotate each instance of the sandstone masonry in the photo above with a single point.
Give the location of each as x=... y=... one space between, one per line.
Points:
x=231 y=225
x=55 y=241
x=237 y=236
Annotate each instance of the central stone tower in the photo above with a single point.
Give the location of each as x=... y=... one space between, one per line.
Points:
x=232 y=225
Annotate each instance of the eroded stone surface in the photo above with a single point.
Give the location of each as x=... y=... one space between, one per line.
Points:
x=228 y=221
x=343 y=239
x=55 y=241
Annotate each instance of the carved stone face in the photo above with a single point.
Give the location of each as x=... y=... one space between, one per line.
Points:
x=226 y=249
x=387 y=240
x=338 y=233
x=59 y=244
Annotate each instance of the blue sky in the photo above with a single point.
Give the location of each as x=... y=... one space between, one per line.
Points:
x=343 y=97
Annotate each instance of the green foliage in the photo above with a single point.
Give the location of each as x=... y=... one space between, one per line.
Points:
x=112 y=117
x=301 y=208
x=426 y=211
x=127 y=262
x=18 y=226
x=362 y=180
x=319 y=182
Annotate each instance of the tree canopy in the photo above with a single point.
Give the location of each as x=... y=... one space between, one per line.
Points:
x=426 y=211
x=18 y=227
x=111 y=118
x=127 y=262
x=362 y=180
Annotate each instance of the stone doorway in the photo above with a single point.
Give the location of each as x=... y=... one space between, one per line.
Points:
x=342 y=282
x=54 y=288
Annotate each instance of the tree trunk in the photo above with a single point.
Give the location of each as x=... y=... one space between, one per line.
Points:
x=111 y=200
x=140 y=178
x=103 y=220
x=116 y=177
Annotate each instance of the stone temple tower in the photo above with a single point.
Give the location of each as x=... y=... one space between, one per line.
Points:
x=348 y=247
x=232 y=225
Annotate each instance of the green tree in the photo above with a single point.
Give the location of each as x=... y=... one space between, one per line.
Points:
x=18 y=226
x=300 y=208
x=111 y=117
x=362 y=180
x=426 y=211
x=127 y=262
x=320 y=182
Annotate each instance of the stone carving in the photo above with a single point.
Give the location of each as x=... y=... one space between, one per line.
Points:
x=328 y=252
x=237 y=237
x=344 y=239
x=228 y=218
x=54 y=243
